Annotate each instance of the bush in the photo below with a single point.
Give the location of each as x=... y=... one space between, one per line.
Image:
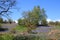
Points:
x=1 y=20
x=1 y=38
x=0 y=25
x=29 y=37
x=6 y=37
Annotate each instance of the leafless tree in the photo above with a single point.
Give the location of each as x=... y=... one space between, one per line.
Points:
x=5 y=6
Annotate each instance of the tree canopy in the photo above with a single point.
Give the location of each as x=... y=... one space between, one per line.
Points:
x=31 y=18
x=36 y=15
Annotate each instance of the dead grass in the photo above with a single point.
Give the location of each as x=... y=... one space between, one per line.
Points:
x=54 y=34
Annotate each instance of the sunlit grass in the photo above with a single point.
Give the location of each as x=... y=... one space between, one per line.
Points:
x=21 y=28
x=56 y=27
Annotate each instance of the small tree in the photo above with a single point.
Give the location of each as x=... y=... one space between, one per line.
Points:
x=1 y=20
x=10 y=21
x=21 y=21
x=5 y=21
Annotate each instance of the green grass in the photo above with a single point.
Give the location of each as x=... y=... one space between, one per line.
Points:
x=6 y=36
x=21 y=28
x=57 y=27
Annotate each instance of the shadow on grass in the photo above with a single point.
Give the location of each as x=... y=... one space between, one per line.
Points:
x=3 y=29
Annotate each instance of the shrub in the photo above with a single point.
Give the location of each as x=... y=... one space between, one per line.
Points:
x=1 y=38
x=1 y=20
x=6 y=37
x=0 y=25
x=29 y=37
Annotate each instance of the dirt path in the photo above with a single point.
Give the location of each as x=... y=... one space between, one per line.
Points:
x=9 y=26
x=42 y=29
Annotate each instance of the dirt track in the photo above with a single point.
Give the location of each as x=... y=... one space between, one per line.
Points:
x=9 y=26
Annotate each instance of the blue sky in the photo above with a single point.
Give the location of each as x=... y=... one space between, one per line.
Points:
x=52 y=8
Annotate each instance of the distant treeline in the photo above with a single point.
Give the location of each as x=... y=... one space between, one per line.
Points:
x=6 y=21
x=56 y=23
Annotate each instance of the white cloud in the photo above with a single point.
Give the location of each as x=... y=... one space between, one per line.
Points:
x=48 y=20
x=53 y=20
x=16 y=21
x=59 y=20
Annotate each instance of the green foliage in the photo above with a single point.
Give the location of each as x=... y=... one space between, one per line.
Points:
x=51 y=23
x=6 y=37
x=21 y=21
x=57 y=27
x=57 y=23
x=43 y=13
x=31 y=18
x=29 y=37
x=44 y=22
x=0 y=24
x=1 y=38
x=1 y=20
x=21 y=37
x=20 y=28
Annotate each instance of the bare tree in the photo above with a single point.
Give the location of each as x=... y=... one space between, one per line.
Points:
x=5 y=6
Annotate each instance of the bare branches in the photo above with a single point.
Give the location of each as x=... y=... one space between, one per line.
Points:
x=5 y=5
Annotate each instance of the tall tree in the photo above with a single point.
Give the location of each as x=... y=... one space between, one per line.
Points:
x=31 y=18
x=43 y=18
x=5 y=6
x=43 y=13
